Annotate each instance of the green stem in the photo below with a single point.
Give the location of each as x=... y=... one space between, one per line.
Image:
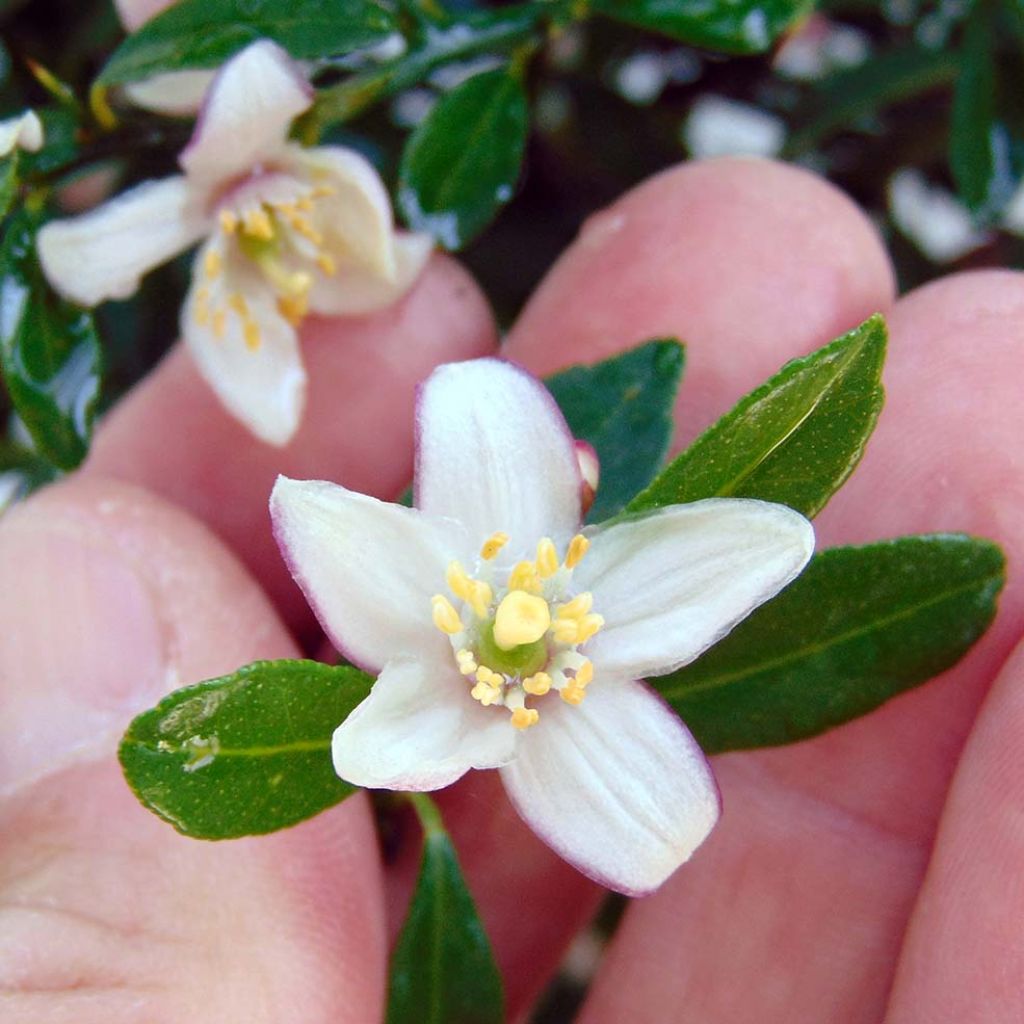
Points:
x=428 y=813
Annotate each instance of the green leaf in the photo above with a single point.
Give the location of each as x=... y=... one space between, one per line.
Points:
x=735 y=26
x=8 y=183
x=623 y=407
x=443 y=969
x=461 y=164
x=204 y=33
x=861 y=625
x=980 y=147
x=245 y=754
x=856 y=95
x=49 y=353
x=795 y=439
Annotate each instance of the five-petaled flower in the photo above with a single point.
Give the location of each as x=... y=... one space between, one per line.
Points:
x=288 y=230
x=507 y=637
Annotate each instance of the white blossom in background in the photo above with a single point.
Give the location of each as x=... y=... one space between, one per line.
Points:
x=932 y=217
x=819 y=48
x=285 y=230
x=506 y=636
x=24 y=131
x=717 y=126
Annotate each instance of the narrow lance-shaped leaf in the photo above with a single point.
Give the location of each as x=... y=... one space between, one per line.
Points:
x=623 y=407
x=735 y=26
x=443 y=969
x=861 y=625
x=794 y=440
x=461 y=164
x=980 y=149
x=245 y=754
x=205 y=33
x=49 y=352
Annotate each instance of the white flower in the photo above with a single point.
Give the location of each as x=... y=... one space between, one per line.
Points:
x=505 y=638
x=25 y=131
x=287 y=230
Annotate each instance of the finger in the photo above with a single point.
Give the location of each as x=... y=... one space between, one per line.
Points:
x=805 y=889
x=172 y=436
x=690 y=253
x=744 y=260
x=106 y=914
x=963 y=960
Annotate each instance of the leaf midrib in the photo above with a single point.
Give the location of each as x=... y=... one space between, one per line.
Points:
x=295 y=747
x=833 y=641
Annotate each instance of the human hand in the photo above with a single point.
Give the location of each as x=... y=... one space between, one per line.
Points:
x=796 y=908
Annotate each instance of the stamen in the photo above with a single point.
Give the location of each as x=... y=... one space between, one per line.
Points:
x=523 y=718
x=458 y=582
x=212 y=263
x=524 y=576
x=228 y=222
x=584 y=674
x=537 y=684
x=577 y=607
x=487 y=695
x=577 y=549
x=565 y=631
x=258 y=224
x=547 y=558
x=493 y=545
x=588 y=626
x=326 y=264
x=572 y=694
x=466 y=662
x=251 y=335
x=202 y=307
x=521 y=618
x=446 y=618
x=293 y=308
x=220 y=324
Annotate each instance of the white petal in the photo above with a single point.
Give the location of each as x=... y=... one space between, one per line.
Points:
x=174 y=93
x=264 y=387
x=102 y=254
x=357 y=217
x=673 y=583
x=420 y=730
x=617 y=786
x=135 y=12
x=354 y=290
x=22 y=132
x=367 y=568
x=247 y=113
x=495 y=453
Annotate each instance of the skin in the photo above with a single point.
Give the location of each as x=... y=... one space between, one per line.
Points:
x=871 y=874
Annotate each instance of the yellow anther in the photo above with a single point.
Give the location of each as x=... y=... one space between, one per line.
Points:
x=237 y=302
x=466 y=662
x=304 y=203
x=523 y=718
x=493 y=545
x=304 y=227
x=524 y=576
x=293 y=308
x=446 y=618
x=220 y=324
x=547 y=558
x=572 y=694
x=323 y=190
x=480 y=595
x=584 y=674
x=458 y=582
x=577 y=607
x=251 y=335
x=228 y=222
x=212 y=263
x=577 y=549
x=521 y=618
x=588 y=626
x=201 y=312
x=538 y=684
x=488 y=677
x=326 y=264
x=565 y=631
x=258 y=224
x=487 y=695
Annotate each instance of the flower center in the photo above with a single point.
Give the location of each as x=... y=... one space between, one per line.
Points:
x=279 y=238
x=521 y=638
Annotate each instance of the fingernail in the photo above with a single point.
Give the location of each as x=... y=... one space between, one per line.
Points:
x=82 y=648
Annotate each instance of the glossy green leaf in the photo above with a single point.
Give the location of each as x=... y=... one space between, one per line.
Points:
x=461 y=164
x=623 y=407
x=49 y=353
x=245 y=754
x=735 y=26
x=980 y=148
x=204 y=33
x=8 y=183
x=794 y=440
x=861 y=625
x=443 y=969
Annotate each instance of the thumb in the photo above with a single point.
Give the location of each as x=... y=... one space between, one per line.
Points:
x=107 y=914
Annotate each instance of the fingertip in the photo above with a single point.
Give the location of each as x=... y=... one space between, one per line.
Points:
x=751 y=262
